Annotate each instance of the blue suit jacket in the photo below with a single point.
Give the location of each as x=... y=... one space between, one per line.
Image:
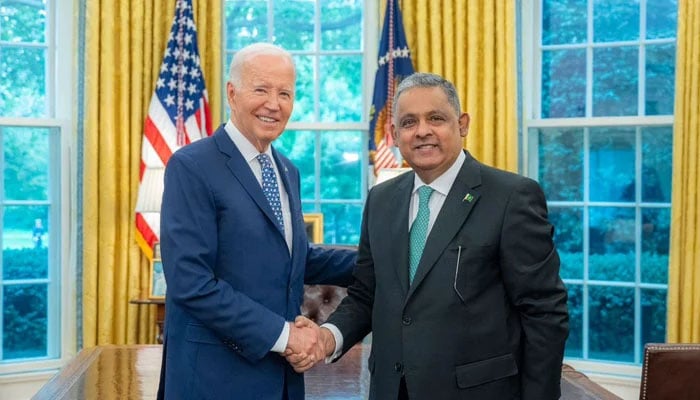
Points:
x=232 y=282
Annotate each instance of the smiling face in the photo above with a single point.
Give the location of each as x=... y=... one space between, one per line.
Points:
x=262 y=103
x=428 y=131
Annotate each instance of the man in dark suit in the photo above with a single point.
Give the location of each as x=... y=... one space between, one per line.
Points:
x=234 y=248
x=480 y=312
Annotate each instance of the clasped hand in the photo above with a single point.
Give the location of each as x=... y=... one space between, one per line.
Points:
x=308 y=344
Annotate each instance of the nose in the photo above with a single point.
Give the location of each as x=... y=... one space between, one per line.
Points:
x=273 y=102
x=423 y=128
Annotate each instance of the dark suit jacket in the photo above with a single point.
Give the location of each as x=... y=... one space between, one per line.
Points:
x=231 y=282
x=486 y=315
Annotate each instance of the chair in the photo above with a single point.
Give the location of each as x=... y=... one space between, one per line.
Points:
x=670 y=371
x=320 y=301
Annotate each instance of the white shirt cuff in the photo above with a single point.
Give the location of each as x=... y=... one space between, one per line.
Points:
x=338 y=342
x=281 y=343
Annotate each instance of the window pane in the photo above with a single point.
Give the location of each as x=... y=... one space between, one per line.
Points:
x=26 y=163
x=653 y=317
x=612 y=176
x=657 y=163
x=574 y=343
x=341 y=172
x=246 y=22
x=615 y=20
x=304 y=99
x=561 y=164
x=24 y=321
x=298 y=146
x=22 y=82
x=342 y=96
x=294 y=24
x=656 y=232
x=563 y=83
x=611 y=323
x=340 y=22
x=563 y=21
x=23 y=22
x=661 y=18
x=24 y=242
x=612 y=239
x=341 y=223
x=615 y=81
x=568 y=237
x=660 y=73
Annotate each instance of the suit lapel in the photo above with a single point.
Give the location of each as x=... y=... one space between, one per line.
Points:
x=458 y=205
x=241 y=171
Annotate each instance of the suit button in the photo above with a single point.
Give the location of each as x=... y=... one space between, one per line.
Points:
x=406 y=320
x=398 y=367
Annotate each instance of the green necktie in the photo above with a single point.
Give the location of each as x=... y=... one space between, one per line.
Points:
x=419 y=230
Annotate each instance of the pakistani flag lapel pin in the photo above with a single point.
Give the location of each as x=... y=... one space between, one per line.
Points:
x=468 y=198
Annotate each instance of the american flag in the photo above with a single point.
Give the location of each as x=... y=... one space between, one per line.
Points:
x=177 y=115
x=393 y=65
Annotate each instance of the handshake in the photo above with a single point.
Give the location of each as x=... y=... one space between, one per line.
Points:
x=308 y=344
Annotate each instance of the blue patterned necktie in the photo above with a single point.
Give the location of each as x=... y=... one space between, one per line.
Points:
x=270 y=188
x=419 y=230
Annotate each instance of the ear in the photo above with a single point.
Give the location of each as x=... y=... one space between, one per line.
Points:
x=464 y=124
x=230 y=92
x=394 y=134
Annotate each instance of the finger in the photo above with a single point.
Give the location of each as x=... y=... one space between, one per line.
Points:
x=301 y=321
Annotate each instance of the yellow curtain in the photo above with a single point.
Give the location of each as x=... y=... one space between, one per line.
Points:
x=472 y=43
x=684 y=272
x=124 y=44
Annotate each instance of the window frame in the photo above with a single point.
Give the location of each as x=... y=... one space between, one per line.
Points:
x=530 y=75
x=62 y=275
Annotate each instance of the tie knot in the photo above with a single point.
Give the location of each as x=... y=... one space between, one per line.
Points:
x=424 y=193
x=264 y=160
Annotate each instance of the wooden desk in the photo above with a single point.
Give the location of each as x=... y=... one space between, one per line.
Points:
x=132 y=372
x=160 y=314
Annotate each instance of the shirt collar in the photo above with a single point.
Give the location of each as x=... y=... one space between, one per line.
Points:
x=248 y=151
x=443 y=183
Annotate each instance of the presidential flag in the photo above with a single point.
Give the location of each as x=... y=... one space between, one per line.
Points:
x=177 y=115
x=394 y=64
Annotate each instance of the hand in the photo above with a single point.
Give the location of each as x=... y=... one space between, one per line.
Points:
x=303 y=348
x=325 y=345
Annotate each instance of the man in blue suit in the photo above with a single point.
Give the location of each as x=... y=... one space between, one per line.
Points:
x=234 y=247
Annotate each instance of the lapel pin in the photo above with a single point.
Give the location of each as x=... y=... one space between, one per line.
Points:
x=468 y=198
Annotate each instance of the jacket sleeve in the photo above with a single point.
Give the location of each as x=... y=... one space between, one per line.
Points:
x=530 y=268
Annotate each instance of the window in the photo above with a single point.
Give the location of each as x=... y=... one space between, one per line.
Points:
x=598 y=131
x=34 y=192
x=327 y=134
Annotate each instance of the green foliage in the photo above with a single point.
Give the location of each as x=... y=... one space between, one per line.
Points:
x=24 y=305
x=615 y=267
x=27 y=263
x=611 y=308
x=22 y=69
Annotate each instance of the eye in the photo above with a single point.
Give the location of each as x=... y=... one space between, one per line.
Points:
x=286 y=95
x=437 y=118
x=407 y=123
x=259 y=90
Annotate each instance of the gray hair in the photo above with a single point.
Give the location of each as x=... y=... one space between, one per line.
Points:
x=250 y=51
x=426 y=80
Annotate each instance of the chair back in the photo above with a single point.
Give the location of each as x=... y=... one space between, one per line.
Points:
x=670 y=371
